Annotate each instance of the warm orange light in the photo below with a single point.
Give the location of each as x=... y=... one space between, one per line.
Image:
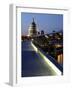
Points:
x=58 y=45
x=60 y=58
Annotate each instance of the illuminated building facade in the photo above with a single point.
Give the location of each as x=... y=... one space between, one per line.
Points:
x=32 y=29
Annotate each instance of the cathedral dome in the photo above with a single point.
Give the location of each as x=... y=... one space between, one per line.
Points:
x=33 y=23
x=33 y=28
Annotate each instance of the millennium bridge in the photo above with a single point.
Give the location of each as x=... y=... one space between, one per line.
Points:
x=35 y=62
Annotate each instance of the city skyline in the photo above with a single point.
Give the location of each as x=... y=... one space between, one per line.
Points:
x=46 y=22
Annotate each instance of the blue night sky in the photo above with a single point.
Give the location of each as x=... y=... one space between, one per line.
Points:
x=46 y=22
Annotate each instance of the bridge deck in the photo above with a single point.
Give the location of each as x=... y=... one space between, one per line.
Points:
x=32 y=63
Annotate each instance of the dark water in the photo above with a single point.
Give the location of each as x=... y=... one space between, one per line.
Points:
x=32 y=63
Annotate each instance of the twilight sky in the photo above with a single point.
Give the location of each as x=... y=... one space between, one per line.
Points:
x=46 y=22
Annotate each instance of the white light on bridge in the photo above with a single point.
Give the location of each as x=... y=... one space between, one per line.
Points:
x=35 y=48
x=52 y=66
